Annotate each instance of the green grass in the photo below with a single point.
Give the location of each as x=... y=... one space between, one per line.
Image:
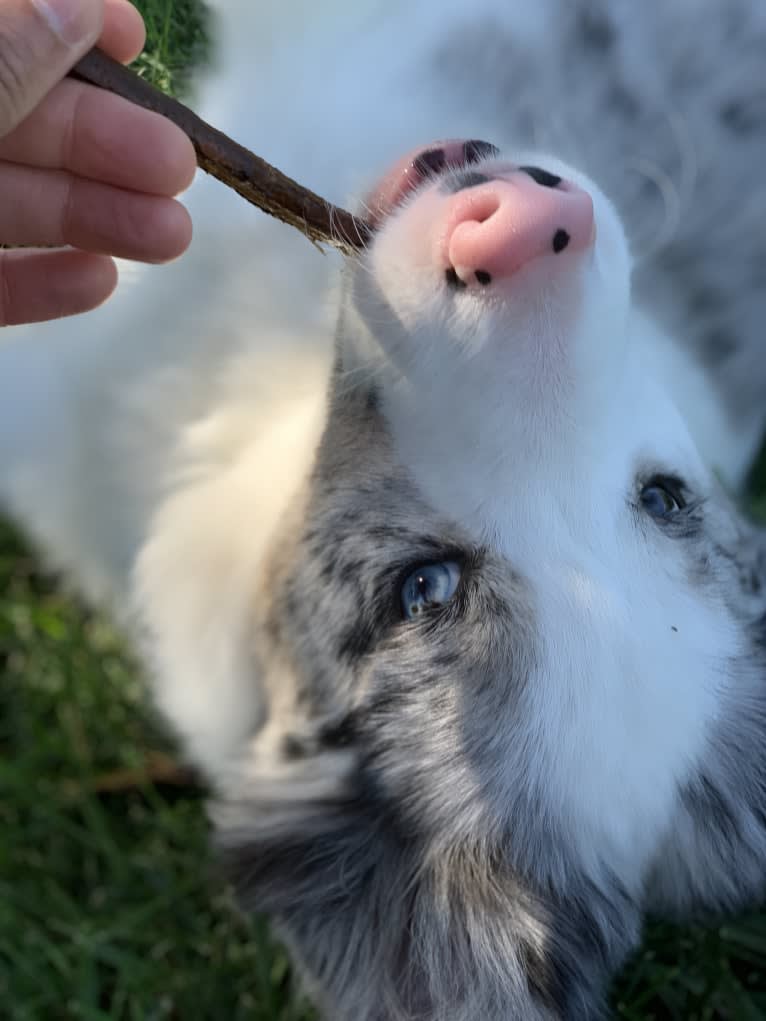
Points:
x=110 y=906
x=175 y=42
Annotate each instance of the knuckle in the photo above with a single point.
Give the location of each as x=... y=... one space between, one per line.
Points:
x=125 y=222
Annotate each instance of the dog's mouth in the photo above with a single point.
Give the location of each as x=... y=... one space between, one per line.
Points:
x=419 y=167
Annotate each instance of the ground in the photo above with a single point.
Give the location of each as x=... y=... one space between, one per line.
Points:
x=110 y=906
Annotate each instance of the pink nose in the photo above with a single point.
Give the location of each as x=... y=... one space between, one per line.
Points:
x=496 y=227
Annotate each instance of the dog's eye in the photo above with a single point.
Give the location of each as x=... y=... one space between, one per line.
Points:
x=430 y=585
x=662 y=497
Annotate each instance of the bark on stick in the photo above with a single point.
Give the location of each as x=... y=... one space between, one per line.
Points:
x=217 y=154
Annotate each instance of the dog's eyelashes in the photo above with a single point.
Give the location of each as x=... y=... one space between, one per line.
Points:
x=662 y=497
x=429 y=585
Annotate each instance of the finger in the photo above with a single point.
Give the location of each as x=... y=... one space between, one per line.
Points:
x=39 y=42
x=98 y=135
x=35 y=286
x=124 y=34
x=51 y=207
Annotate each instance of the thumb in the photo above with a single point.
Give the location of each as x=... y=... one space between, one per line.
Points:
x=40 y=40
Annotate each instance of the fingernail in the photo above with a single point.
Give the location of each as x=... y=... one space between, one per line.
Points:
x=72 y=21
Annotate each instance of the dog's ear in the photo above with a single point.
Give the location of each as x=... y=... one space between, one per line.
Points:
x=301 y=840
x=300 y=837
x=387 y=927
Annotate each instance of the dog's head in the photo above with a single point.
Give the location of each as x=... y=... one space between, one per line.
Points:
x=457 y=687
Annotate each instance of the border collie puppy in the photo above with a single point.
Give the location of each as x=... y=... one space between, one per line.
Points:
x=435 y=561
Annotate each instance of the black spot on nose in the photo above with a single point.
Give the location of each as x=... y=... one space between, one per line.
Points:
x=476 y=150
x=543 y=177
x=430 y=163
x=483 y=277
x=453 y=280
x=560 y=241
x=465 y=179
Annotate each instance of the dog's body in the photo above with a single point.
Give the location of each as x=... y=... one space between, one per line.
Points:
x=459 y=815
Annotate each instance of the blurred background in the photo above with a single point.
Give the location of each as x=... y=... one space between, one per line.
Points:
x=110 y=905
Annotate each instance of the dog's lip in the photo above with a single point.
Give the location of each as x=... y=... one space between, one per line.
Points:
x=408 y=175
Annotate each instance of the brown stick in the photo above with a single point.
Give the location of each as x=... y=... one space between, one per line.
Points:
x=253 y=178
x=158 y=770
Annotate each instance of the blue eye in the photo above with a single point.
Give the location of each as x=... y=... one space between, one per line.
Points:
x=662 y=497
x=430 y=585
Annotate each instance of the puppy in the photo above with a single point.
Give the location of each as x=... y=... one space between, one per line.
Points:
x=434 y=561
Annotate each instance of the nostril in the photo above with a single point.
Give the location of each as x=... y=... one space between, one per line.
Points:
x=483 y=205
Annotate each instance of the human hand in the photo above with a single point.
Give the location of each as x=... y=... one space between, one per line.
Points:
x=79 y=166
